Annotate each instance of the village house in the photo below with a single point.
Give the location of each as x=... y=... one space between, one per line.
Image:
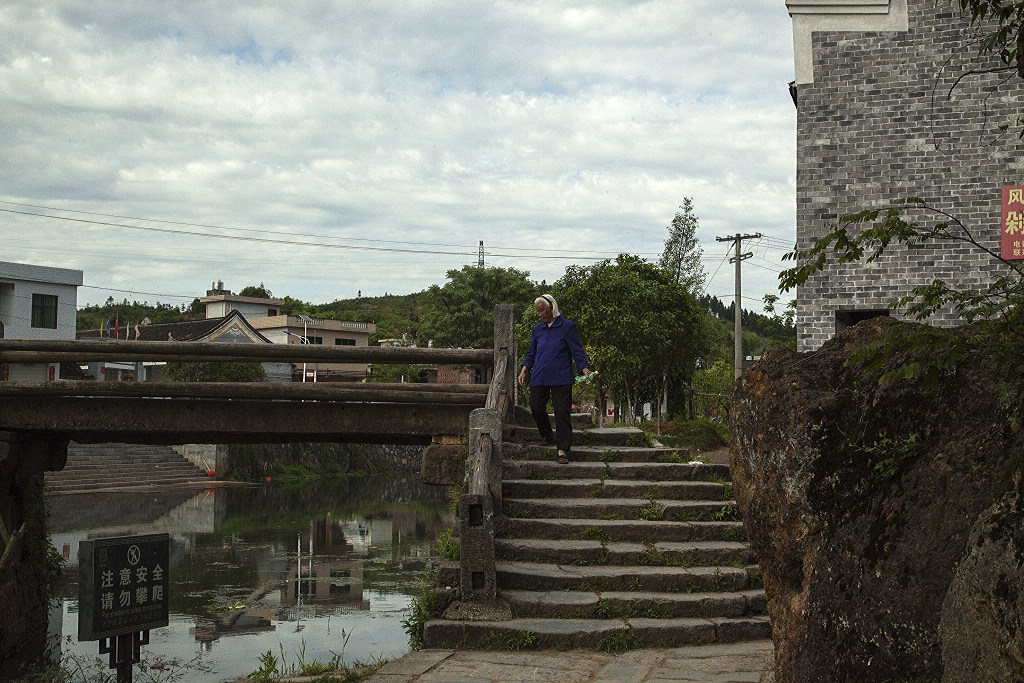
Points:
x=893 y=101
x=36 y=302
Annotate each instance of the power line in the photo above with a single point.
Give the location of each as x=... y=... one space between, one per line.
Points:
x=531 y=251
x=131 y=291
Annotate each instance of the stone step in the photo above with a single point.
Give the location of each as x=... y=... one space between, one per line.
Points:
x=638 y=531
x=114 y=478
x=521 y=417
x=603 y=436
x=603 y=634
x=87 y=484
x=80 y=468
x=620 y=553
x=539 y=576
x=596 y=454
x=598 y=509
x=632 y=604
x=650 y=471
x=615 y=488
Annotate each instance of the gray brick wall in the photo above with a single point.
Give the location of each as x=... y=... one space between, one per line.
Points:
x=876 y=126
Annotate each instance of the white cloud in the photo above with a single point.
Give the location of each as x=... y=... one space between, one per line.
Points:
x=527 y=125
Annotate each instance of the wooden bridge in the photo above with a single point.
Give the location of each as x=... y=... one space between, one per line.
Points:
x=41 y=418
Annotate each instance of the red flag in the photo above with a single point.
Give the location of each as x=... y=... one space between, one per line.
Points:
x=116 y=333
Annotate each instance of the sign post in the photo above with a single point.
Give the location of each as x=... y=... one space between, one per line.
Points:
x=123 y=592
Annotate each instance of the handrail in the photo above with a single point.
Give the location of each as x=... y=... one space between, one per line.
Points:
x=80 y=350
x=458 y=394
x=495 y=391
x=481 y=499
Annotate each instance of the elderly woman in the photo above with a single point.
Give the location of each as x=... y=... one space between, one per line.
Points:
x=554 y=345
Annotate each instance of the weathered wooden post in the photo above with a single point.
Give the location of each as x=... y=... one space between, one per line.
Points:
x=480 y=502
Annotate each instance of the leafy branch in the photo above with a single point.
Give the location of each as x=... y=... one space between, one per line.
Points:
x=867 y=235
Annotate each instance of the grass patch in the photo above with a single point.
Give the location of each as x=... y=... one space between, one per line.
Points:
x=510 y=640
x=448 y=546
x=426 y=605
x=696 y=435
x=593 y=533
x=622 y=640
x=728 y=513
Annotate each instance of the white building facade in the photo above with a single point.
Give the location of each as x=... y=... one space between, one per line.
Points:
x=36 y=302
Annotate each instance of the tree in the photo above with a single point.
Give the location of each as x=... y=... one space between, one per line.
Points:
x=642 y=329
x=1000 y=22
x=462 y=314
x=682 y=253
x=260 y=292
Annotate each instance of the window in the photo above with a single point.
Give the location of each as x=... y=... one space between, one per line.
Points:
x=315 y=340
x=846 y=319
x=271 y=312
x=44 y=311
x=344 y=342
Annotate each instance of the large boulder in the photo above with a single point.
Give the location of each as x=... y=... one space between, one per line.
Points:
x=982 y=625
x=859 y=499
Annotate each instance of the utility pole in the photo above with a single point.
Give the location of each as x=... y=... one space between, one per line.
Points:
x=480 y=255
x=738 y=318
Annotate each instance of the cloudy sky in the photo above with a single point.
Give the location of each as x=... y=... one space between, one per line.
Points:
x=329 y=147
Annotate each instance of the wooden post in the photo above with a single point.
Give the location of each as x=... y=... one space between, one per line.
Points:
x=505 y=344
x=479 y=503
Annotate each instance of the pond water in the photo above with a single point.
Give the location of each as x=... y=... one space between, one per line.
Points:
x=319 y=571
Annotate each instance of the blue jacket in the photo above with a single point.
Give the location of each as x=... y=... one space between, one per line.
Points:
x=552 y=352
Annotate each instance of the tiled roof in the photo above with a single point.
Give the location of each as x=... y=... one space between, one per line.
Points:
x=189 y=330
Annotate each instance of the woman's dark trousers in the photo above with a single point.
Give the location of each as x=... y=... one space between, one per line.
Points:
x=561 y=400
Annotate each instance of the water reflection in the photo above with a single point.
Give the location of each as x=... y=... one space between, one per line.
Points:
x=265 y=568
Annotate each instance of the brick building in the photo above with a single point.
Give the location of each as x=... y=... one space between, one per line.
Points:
x=875 y=125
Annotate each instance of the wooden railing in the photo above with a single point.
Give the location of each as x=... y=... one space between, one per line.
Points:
x=481 y=499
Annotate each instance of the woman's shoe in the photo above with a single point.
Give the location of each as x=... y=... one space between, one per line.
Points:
x=563 y=458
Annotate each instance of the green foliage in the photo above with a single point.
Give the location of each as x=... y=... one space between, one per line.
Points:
x=510 y=640
x=259 y=292
x=448 y=548
x=728 y=513
x=692 y=435
x=426 y=605
x=268 y=667
x=866 y=235
x=712 y=387
x=924 y=354
x=214 y=371
x=296 y=462
x=1001 y=22
x=622 y=640
x=643 y=330
x=681 y=256
x=462 y=311
x=889 y=453
x=94 y=317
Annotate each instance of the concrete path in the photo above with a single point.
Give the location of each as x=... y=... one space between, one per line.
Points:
x=726 y=663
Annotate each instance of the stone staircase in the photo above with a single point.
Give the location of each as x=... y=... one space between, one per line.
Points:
x=627 y=546
x=116 y=466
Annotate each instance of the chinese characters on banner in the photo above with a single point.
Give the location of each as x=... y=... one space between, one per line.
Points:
x=1012 y=225
x=123 y=585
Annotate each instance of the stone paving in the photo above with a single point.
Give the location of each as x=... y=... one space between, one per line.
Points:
x=747 y=662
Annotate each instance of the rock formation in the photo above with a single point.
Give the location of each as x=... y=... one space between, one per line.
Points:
x=885 y=516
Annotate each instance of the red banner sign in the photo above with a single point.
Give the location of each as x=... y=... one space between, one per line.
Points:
x=1012 y=224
